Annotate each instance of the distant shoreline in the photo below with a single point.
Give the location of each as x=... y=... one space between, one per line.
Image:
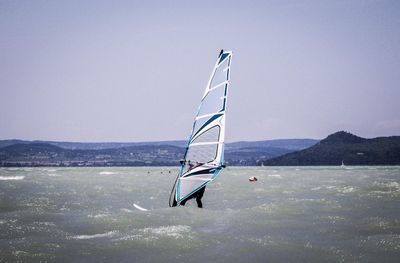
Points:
x=335 y=149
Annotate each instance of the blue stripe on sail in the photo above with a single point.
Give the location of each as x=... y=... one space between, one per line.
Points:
x=224 y=104
x=223 y=56
x=206 y=123
x=206 y=171
x=216 y=173
x=178 y=190
x=226 y=85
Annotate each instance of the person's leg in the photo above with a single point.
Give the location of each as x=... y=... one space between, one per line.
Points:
x=199 y=195
x=199 y=203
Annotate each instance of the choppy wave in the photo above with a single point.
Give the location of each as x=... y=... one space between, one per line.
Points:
x=274 y=175
x=7 y=178
x=107 y=234
x=386 y=188
x=395 y=185
x=339 y=189
x=388 y=185
x=94 y=219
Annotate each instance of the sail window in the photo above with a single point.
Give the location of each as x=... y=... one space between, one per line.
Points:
x=204 y=121
x=210 y=135
x=213 y=102
x=200 y=154
x=221 y=74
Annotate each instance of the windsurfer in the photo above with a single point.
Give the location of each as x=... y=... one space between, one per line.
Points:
x=198 y=195
x=191 y=165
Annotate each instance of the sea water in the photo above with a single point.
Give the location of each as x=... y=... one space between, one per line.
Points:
x=291 y=214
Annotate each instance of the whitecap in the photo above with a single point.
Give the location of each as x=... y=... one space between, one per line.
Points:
x=126 y=210
x=268 y=207
x=264 y=241
x=129 y=237
x=394 y=185
x=274 y=175
x=107 y=234
x=388 y=186
x=347 y=189
x=19 y=253
x=97 y=216
x=107 y=173
x=7 y=178
x=53 y=175
x=178 y=231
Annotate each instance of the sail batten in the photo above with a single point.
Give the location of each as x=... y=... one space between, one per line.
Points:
x=204 y=156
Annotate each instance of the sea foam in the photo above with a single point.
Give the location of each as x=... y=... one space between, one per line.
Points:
x=177 y=231
x=107 y=173
x=107 y=234
x=7 y=178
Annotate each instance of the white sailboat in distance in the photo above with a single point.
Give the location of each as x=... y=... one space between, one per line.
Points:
x=204 y=155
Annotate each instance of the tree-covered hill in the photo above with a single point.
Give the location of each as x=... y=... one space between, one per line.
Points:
x=346 y=147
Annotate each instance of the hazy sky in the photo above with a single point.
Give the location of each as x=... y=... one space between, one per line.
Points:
x=136 y=70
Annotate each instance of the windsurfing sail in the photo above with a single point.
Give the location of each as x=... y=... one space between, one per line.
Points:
x=204 y=156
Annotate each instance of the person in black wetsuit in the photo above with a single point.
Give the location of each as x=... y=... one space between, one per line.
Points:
x=198 y=195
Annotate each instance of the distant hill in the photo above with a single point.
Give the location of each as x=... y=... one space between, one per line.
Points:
x=44 y=154
x=290 y=144
x=92 y=145
x=47 y=153
x=353 y=150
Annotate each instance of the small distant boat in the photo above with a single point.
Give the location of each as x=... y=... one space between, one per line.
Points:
x=253 y=179
x=262 y=164
x=342 y=164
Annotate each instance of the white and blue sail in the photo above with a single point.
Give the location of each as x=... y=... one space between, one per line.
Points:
x=204 y=156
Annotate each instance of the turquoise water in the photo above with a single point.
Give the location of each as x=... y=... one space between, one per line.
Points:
x=292 y=214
